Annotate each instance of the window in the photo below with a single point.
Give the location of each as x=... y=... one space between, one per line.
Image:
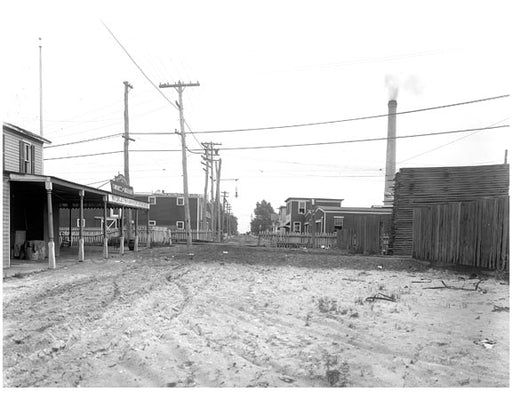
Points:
x=180 y=201
x=180 y=225
x=302 y=207
x=152 y=200
x=338 y=223
x=296 y=226
x=152 y=223
x=78 y=222
x=27 y=153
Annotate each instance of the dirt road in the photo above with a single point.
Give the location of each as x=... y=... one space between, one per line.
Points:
x=254 y=317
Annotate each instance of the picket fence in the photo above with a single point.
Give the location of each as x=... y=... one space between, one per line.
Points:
x=296 y=240
x=197 y=236
x=159 y=236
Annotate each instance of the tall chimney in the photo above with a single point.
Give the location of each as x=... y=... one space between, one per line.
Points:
x=390 y=154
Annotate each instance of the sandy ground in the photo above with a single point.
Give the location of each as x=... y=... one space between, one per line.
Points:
x=235 y=316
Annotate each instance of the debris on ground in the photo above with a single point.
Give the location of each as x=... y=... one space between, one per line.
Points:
x=381 y=296
x=488 y=344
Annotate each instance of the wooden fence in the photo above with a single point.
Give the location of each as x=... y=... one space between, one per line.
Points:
x=91 y=236
x=197 y=235
x=430 y=186
x=160 y=236
x=472 y=233
x=296 y=240
x=365 y=234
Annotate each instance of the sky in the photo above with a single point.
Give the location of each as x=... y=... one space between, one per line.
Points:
x=259 y=64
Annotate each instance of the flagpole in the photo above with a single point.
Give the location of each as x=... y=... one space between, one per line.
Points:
x=40 y=88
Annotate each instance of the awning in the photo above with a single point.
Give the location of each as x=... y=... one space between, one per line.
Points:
x=67 y=192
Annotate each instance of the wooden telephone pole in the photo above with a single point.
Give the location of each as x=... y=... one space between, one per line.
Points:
x=126 y=157
x=180 y=87
x=209 y=152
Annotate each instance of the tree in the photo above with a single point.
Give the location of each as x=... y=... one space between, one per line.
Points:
x=262 y=220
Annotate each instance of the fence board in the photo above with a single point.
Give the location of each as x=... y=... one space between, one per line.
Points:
x=159 y=236
x=466 y=233
x=296 y=240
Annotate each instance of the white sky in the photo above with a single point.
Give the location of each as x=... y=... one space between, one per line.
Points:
x=263 y=63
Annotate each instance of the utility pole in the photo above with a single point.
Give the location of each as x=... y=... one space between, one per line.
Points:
x=224 y=218
x=204 y=224
x=209 y=152
x=217 y=200
x=126 y=132
x=126 y=158
x=180 y=87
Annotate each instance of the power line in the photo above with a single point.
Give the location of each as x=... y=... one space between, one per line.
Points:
x=137 y=65
x=291 y=145
x=84 y=141
x=85 y=155
x=350 y=119
x=360 y=140
x=449 y=143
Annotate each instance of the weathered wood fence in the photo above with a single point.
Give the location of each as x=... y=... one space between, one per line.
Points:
x=474 y=233
x=160 y=236
x=365 y=234
x=197 y=235
x=296 y=240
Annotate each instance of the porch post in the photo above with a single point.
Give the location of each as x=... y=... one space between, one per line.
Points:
x=81 y=256
x=105 y=238
x=70 y=225
x=121 y=244
x=51 y=242
x=313 y=229
x=136 y=241
x=148 y=239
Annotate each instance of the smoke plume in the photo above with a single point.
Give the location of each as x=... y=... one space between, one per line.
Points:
x=393 y=85
x=410 y=84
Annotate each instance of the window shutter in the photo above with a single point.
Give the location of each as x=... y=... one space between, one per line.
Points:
x=22 y=156
x=33 y=159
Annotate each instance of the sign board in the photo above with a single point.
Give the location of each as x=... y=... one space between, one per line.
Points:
x=127 y=202
x=120 y=186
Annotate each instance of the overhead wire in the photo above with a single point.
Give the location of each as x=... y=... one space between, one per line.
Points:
x=84 y=140
x=350 y=119
x=292 y=145
x=449 y=143
x=359 y=140
x=137 y=65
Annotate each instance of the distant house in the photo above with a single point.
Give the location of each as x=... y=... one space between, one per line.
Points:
x=168 y=210
x=296 y=218
x=165 y=210
x=332 y=219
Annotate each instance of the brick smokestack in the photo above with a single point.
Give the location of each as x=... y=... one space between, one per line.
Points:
x=390 y=154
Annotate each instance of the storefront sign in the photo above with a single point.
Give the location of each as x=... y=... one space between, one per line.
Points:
x=127 y=202
x=120 y=186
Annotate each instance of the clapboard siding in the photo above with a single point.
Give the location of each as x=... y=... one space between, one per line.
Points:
x=420 y=187
x=6 y=228
x=12 y=152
